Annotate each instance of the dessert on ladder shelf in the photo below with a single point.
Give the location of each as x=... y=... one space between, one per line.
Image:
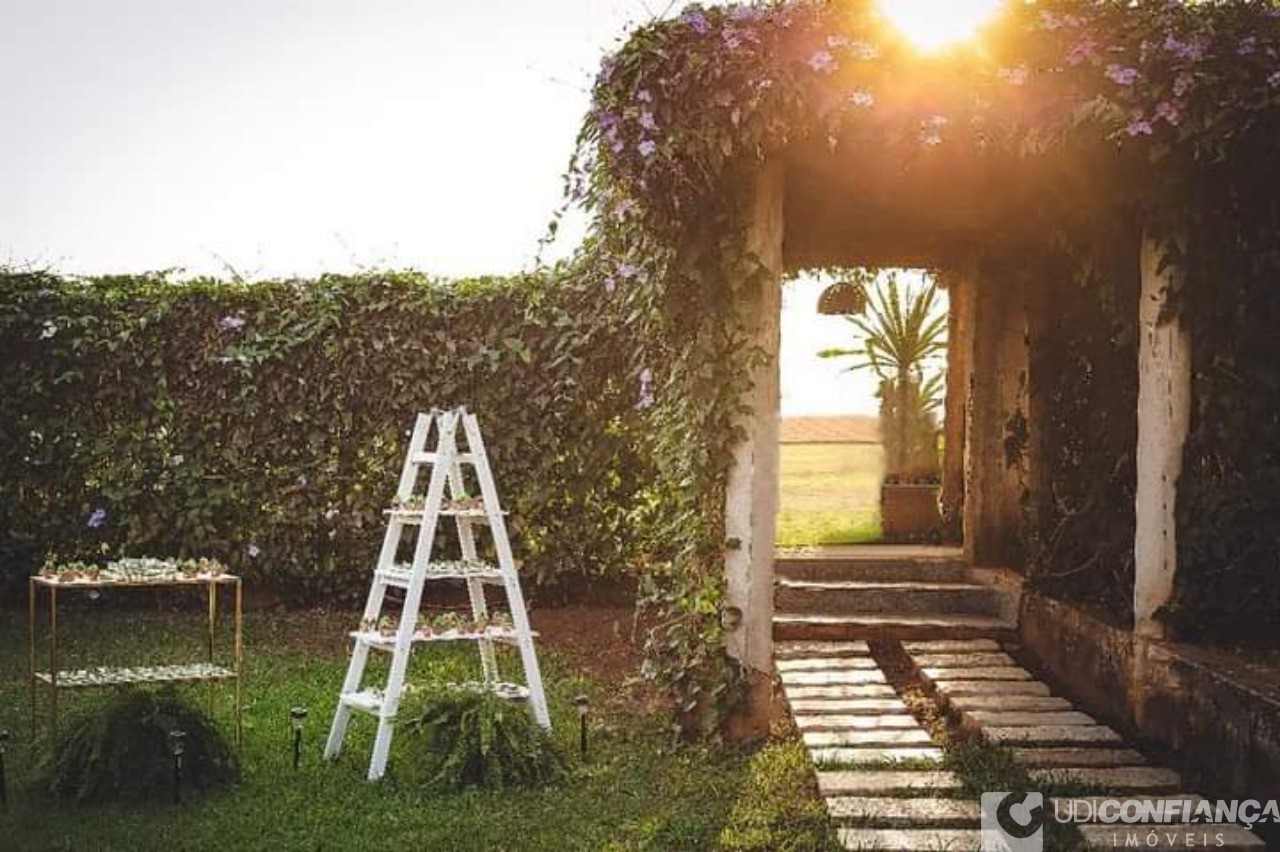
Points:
x=445 y=497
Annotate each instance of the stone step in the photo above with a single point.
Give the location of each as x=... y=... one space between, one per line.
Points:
x=855 y=596
x=912 y=839
x=851 y=756
x=985 y=673
x=884 y=570
x=1122 y=779
x=1010 y=703
x=827 y=677
x=873 y=738
x=951 y=646
x=847 y=722
x=887 y=782
x=890 y=627
x=787 y=650
x=1078 y=758
x=1017 y=719
x=864 y=690
x=883 y=812
x=1053 y=735
x=1085 y=808
x=970 y=660
x=986 y=688
x=801 y=664
x=847 y=706
x=1225 y=838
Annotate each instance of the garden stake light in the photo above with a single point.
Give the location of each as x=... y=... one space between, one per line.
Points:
x=583 y=705
x=4 y=745
x=177 y=745
x=298 y=717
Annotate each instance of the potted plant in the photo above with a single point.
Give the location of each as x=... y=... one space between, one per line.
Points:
x=901 y=338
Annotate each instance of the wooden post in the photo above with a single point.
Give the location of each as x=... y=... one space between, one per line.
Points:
x=959 y=347
x=751 y=502
x=1164 y=416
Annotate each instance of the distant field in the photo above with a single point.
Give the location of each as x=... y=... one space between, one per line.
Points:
x=830 y=493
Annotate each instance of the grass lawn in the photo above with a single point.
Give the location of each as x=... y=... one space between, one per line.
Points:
x=638 y=791
x=830 y=493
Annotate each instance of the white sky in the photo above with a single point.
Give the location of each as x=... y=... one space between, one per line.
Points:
x=291 y=138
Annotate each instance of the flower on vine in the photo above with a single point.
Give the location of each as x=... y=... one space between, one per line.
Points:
x=745 y=13
x=254 y=551
x=1170 y=112
x=97 y=518
x=646 y=399
x=732 y=39
x=647 y=121
x=628 y=270
x=696 y=21
x=1139 y=126
x=1248 y=46
x=1085 y=49
x=864 y=50
x=1122 y=75
x=862 y=98
x=823 y=62
x=1192 y=49
x=647 y=148
x=1015 y=76
x=231 y=323
x=48 y=331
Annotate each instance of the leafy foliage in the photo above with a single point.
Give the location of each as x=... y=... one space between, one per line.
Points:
x=121 y=750
x=461 y=738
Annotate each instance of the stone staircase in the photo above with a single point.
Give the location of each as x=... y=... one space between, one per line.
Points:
x=887 y=592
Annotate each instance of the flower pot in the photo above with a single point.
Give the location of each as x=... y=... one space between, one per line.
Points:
x=909 y=511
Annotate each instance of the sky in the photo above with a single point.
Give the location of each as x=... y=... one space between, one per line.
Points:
x=267 y=137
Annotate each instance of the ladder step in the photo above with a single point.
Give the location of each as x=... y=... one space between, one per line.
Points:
x=415 y=516
x=366 y=701
x=432 y=458
x=387 y=642
x=401 y=575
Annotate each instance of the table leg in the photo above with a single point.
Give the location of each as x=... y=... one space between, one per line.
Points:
x=239 y=662
x=53 y=667
x=213 y=620
x=31 y=656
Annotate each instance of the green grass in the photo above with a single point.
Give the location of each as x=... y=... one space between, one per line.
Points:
x=638 y=791
x=829 y=493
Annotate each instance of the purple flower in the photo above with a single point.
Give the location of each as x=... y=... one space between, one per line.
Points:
x=823 y=62
x=745 y=13
x=1192 y=49
x=644 y=96
x=696 y=21
x=1084 y=49
x=731 y=39
x=254 y=551
x=1248 y=46
x=1122 y=75
x=862 y=98
x=647 y=148
x=628 y=270
x=1139 y=126
x=1170 y=112
x=97 y=518
x=231 y=323
x=647 y=122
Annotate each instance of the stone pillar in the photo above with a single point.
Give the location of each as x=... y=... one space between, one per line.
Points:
x=959 y=346
x=1164 y=416
x=751 y=503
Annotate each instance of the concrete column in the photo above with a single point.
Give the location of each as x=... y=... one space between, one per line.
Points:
x=1164 y=415
x=751 y=503
x=959 y=347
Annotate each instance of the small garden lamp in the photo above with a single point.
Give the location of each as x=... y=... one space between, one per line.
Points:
x=177 y=747
x=297 y=718
x=583 y=705
x=4 y=746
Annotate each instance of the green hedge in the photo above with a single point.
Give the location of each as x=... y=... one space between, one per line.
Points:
x=264 y=424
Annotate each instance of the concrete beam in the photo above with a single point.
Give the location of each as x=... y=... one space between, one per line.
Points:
x=1164 y=416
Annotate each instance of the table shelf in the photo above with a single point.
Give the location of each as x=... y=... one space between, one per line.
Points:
x=125 y=675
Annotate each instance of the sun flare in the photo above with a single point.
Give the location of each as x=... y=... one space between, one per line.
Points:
x=936 y=24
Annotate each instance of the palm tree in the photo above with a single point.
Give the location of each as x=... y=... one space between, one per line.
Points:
x=900 y=338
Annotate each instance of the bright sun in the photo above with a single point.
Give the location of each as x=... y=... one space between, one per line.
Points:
x=935 y=24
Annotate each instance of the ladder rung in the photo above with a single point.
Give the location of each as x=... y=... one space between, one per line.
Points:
x=366 y=701
x=401 y=575
x=432 y=458
x=415 y=516
x=387 y=642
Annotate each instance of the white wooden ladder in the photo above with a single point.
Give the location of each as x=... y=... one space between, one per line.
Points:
x=445 y=496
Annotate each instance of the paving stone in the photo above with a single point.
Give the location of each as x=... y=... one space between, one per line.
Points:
x=800 y=664
x=912 y=839
x=888 y=738
x=882 y=812
x=960 y=646
x=850 y=756
x=847 y=722
x=886 y=782
x=786 y=650
x=1053 y=735
x=845 y=690
x=828 y=676
x=983 y=660
x=1085 y=808
x=1227 y=838
x=1048 y=758
x=1123 y=779
x=1009 y=703
x=986 y=673
x=1014 y=719
x=963 y=688
x=848 y=706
